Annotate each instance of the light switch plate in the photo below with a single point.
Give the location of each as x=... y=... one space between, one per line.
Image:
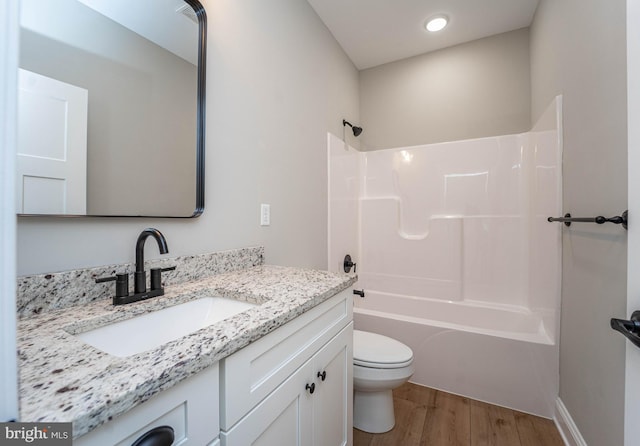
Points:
x=265 y=215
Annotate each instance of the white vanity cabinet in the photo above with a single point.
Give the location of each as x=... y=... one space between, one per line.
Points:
x=190 y=408
x=293 y=386
x=273 y=392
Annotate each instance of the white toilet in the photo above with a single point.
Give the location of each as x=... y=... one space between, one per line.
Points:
x=380 y=364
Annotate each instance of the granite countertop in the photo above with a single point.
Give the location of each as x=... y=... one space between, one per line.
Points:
x=63 y=379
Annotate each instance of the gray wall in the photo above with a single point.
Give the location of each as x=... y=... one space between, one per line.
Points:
x=271 y=99
x=578 y=50
x=475 y=89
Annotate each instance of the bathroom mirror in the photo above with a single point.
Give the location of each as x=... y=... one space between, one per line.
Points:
x=111 y=108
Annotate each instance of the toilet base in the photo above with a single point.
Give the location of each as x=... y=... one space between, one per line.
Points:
x=373 y=411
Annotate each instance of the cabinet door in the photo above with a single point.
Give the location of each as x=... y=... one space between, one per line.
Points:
x=281 y=419
x=333 y=398
x=252 y=373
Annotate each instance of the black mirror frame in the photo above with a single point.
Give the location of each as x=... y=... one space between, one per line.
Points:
x=200 y=126
x=200 y=117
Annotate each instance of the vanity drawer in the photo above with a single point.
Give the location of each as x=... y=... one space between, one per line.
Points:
x=190 y=408
x=250 y=374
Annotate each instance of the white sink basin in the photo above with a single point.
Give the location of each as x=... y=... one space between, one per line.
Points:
x=151 y=330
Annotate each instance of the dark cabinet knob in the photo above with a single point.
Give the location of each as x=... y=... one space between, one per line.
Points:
x=158 y=436
x=322 y=375
x=311 y=387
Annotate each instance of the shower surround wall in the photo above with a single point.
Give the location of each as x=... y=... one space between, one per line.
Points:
x=457 y=259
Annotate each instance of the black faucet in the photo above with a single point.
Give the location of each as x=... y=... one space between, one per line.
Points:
x=140 y=292
x=140 y=277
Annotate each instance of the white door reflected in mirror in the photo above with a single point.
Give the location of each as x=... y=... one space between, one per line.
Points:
x=52 y=146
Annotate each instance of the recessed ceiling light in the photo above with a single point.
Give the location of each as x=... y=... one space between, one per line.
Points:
x=436 y=23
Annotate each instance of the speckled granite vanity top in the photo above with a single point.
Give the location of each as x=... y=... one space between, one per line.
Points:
x=63 y=379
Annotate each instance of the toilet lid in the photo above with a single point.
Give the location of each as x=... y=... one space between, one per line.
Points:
x=377 y=351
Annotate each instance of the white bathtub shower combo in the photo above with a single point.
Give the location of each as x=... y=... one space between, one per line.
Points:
x=457 y=259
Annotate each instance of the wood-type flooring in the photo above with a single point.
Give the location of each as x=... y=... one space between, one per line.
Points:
x=428 y=417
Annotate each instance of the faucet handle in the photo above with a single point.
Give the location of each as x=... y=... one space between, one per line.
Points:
x=105 y=279
x=122 y=283
x=348 y=264
x=156 y=277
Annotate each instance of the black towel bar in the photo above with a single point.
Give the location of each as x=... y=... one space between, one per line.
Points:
x=568 y=219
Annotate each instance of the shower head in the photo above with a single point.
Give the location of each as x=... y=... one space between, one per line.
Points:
x=356 y=130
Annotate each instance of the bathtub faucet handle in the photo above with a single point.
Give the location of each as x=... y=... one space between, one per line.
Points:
x=348 y=264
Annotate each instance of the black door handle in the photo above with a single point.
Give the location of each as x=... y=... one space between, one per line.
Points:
x=630 y=329
x=311 y=387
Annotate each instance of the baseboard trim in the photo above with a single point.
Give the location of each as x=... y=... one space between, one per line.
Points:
x=567 y=427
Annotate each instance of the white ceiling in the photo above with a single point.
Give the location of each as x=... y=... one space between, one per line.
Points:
x=374 y=32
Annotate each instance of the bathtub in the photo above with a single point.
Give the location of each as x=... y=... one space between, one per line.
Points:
x=493 y=353
x=457 y=259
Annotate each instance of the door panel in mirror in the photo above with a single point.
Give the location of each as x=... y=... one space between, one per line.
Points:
x=51 y=162
x=145 y=125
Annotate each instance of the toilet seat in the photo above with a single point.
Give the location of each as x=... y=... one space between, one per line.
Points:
x=376 y=351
